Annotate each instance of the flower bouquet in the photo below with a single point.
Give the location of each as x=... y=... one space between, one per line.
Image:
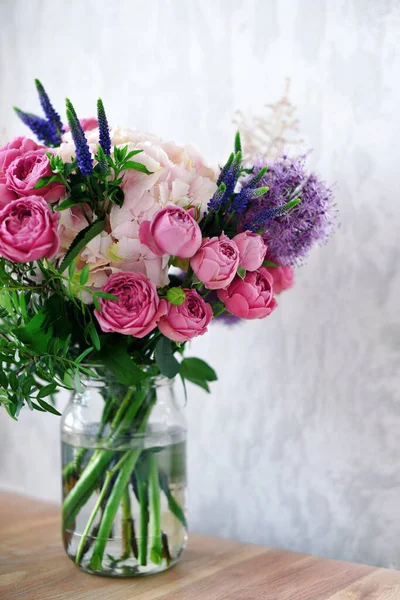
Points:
x=116 y=248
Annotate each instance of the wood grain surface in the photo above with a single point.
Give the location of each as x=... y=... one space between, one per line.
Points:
x=33 y=566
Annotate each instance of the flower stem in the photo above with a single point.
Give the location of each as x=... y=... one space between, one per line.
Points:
x=111 y=509
x=89 y=524
x=126 y=524
x=99 y=461
x=154 y=494
x=143 y=491
x=115 y=497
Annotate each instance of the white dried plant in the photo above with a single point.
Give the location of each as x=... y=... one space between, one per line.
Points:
x=272 y=133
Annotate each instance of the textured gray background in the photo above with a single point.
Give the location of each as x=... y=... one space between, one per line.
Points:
x=298 y=445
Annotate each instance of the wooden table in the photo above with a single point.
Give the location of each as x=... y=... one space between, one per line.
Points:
x=33 y=566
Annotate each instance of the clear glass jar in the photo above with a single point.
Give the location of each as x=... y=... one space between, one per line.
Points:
x=124 y=477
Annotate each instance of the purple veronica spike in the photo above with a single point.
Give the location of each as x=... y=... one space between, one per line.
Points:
x=83 y=155
x=104 y=130
x=52 y=116
x=291 y=235
x=43 y=130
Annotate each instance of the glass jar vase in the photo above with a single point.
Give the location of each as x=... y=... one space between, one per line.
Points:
x=124 y=477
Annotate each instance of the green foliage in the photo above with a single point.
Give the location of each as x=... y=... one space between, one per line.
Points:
x=197 y=371
x=165 y=359
x=81 y=240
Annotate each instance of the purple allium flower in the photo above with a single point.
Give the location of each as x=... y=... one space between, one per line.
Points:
x=83 y=155
x=52 y=116
x=291 y=235
x=44 y=131
x=104 y=130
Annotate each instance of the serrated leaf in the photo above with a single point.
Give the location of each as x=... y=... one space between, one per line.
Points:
x=80 y=241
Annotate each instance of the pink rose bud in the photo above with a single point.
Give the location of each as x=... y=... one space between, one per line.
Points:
x=6 y=195
x=188 y=320
x=25 y=171
x=12 y=150
x=250 y=298
x=216 y=263
x=172 y=231
x=252 y=250
x=28 y=230
x=138 y=308
x=283 y=278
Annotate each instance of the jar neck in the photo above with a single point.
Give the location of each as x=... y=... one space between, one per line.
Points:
x=105 y=379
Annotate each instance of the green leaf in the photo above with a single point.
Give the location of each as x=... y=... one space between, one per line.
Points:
x=241 y=272
x=94 y=336
x=34 y=334
x=80 y=241
x=3 y=380
x=47 y=390
x=166 y=361
x=197 y=371
x=84 y=354
x=106 y=296
x=130 y=164
x=133 y=153
x=84 y=276
x=69 y=202
x=238 y=143
x=116 y=358
x=46 y=180
x=268 y=263
x=48 y=407
x=71 y=270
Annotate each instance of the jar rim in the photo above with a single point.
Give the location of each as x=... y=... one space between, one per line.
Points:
x=156 y=381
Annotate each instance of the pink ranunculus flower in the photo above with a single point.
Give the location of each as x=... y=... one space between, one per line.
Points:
x=252 y=250
x=28 y=230
x=6 y=195
x=283 y=278
x=8 y=153
x=138 y=308
x=216 y=263
x=172 y=231
x=25 y=172
x=250 y=298
x=87 y=124
x=188 y=320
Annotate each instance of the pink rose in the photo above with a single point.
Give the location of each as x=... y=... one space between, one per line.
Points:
x=252 y=250
x=26 y=170
x=86 y=124
x=12 y=150
x=6 y=195
x=216 y=263
x=28 y=230
x=172 y=231
x=187 y=321
x=250 y=298
x=138 y=308
x=283 y=278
